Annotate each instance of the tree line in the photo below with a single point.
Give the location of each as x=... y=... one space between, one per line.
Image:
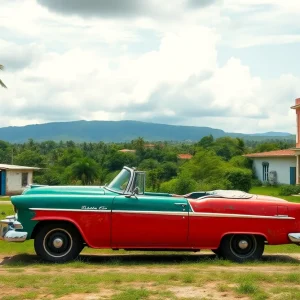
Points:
x=215 y=163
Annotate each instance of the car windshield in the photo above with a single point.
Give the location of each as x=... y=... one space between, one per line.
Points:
x=121 y=181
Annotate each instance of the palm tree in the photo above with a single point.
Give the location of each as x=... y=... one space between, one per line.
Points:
x=86 y=170
x=1 y=82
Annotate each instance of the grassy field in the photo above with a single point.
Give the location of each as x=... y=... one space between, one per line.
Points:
x=4 y=198
x=273 y=191
x=107 y=274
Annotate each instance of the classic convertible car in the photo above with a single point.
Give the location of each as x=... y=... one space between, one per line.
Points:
x=62 y=220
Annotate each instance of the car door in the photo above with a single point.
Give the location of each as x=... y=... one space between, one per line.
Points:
x=143 y=221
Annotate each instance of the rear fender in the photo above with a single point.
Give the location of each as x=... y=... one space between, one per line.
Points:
x=247 y=233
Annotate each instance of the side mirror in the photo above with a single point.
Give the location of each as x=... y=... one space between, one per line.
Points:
x=134 y=193
x=136 y=190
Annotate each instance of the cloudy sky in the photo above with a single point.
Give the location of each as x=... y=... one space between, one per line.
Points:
x=227 y=64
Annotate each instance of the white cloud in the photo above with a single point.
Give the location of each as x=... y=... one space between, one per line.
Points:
x=70 y=68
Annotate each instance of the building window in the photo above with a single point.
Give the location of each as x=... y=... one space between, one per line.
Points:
x=24 y=179
x=265 y=168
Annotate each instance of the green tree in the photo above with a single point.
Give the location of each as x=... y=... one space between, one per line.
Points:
x=30 y=158
x=117 y=160
x=204 y=165
x=70 y=156
x=227 y=147
x=240 y=179
x=206 y=141
x=85 y=170
x=148 y=164
x=5 y=152
x=1 y=82
x=265 y=147
x=168 y=170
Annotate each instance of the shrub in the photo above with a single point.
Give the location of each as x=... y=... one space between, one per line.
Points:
x=185 y=185
x=181 y=185
x=287 y=190
x=256 y=182
x=208 y=185
x=168 y=186
x=241 y=162
x=240 y=179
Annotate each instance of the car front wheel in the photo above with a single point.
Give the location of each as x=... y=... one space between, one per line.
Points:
x=58 y=242
x=242 y=247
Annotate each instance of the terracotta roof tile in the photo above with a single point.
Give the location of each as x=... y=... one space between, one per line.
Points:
x=127 y=150
x=184 y=156
x=275 y=153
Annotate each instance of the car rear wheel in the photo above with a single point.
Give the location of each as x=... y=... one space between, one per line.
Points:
x=242 y=247
x=59 y=242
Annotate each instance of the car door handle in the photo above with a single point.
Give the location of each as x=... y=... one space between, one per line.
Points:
x=181 y=204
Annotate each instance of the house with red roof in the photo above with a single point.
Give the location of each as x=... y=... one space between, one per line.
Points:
x=280 y=166
x=277 y=166
x=185 y=156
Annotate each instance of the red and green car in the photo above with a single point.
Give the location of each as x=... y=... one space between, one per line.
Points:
x=62 y=220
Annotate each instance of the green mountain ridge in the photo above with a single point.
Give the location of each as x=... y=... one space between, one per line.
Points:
x=121 y=131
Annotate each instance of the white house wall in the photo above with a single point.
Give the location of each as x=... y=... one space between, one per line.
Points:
x=279 y=164
x=14 y=181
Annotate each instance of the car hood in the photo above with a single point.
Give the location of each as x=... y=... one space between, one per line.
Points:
x=66 y=190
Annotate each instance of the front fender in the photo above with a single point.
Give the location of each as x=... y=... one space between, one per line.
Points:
x=94 y=226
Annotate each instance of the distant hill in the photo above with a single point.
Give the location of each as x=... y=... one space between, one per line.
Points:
x=272 y=134
x=120 y=131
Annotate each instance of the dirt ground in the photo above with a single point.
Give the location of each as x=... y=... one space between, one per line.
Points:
x=28 y=264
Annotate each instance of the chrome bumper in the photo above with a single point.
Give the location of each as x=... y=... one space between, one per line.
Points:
x=294 y=237
x=8 y=231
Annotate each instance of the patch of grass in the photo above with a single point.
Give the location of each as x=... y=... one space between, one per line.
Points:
x=12 y=297
x=16 y=248
x=247 y=288
x=272 y=191
x=286 y=293
x=253 y=277
x=293 y=277
x=15 y=270
x=30 y=295
x=132 y=294
x=289 y=248
x=223 y=287
x=261 y=296
x=6 y=210
x=4 y=198
x=173 y=277
x=188 y=278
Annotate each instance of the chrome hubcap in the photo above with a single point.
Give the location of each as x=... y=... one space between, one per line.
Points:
x=57 y=243
x=243 y=244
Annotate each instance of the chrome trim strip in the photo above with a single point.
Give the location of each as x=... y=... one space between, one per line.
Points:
x=222 y=215
x=169 y=213
x=175 y=213
x=75 y=210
